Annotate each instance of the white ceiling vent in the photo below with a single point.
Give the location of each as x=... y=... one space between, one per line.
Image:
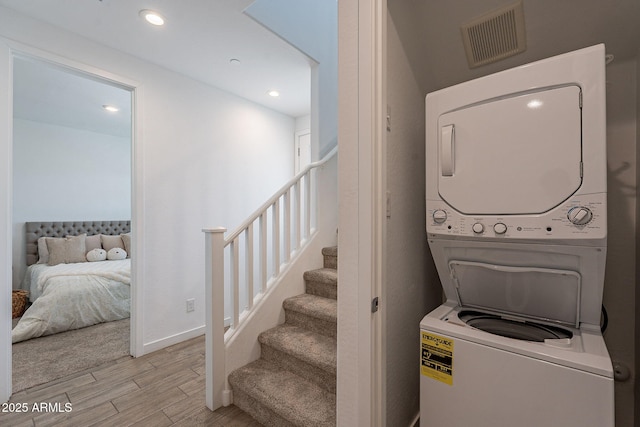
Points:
x=495 y=35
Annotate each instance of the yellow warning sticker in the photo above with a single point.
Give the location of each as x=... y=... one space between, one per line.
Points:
x=436 y=357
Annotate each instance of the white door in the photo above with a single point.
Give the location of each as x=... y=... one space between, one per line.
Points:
x=515 y=155
x=303 y=150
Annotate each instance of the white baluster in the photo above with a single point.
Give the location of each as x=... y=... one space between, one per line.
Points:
x=307 y=205
x=263 y=252
x=248 y=247
x=275 y=236
x=297 y=217
x=234 y=271
x=287 y=226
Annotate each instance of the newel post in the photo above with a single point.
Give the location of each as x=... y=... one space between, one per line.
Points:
x=214 y=331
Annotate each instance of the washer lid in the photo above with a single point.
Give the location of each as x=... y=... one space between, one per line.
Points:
x=520 y=154
x=538 y=293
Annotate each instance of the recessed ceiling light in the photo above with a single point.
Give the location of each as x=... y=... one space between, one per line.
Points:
x=152 y=17
x=111 y=108
x=534 y=103
x=273 y=93
x=234 y=61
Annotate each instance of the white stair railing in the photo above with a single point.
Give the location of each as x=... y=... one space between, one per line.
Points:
x=237 y=262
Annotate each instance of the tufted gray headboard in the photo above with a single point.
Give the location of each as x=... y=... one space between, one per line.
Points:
x=35 y=230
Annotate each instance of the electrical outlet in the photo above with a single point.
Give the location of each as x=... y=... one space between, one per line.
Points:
x=191 y=305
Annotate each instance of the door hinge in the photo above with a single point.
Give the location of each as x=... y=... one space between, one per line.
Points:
x=374 y=305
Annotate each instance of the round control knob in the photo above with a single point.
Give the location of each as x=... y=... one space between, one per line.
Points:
x=500 y=228
x=439 y=216
x=477 y=228
x=580 y=215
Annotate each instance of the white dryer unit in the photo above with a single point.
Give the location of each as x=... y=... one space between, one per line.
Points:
x=517 y=226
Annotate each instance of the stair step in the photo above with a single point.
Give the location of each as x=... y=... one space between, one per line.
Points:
x=317 y=314
x=277 y=397
x=330 y=257
x=303 y=352
x=322 y=282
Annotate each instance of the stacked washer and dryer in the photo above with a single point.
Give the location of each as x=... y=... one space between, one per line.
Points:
x=517 y=226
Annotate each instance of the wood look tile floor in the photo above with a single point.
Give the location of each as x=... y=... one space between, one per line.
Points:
x=164 y=388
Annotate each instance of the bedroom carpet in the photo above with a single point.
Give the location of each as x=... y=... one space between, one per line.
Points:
x=42 y=360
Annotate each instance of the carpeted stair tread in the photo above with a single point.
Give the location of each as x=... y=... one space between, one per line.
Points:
x=281 y=394
x=330 y=251
x=309 y=347
x=322 y=275
x=312 y=312
x=313 y=306
x=322 y=282
x=330 y=257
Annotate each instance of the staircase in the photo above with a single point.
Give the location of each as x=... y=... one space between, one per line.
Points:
x=294 y=381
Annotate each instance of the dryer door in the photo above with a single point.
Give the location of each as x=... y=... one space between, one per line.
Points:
x=515 y=155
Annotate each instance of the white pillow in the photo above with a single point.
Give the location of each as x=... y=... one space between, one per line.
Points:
x=116 y=253
x=96 y=255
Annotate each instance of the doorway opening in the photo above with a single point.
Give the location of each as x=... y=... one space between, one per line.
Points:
x=72 y=162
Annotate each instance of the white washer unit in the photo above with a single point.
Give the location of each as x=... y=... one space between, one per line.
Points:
x=517 y=226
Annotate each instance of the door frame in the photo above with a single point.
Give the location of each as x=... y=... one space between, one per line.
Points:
x=362 y=212
x=8 y=50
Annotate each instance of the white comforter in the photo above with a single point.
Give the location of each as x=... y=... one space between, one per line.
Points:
x=72 y=296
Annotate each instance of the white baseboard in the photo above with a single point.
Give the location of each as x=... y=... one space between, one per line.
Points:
x=227 y=397
x=416 y=421
x=173 y=339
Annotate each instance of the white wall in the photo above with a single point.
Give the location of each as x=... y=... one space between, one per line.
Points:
x=303 y=123
x=65 y=174
x=637 y=246
x=312 y=27
x=411 y=287
x=206 y=158
x=620 y=276
x=5 y=223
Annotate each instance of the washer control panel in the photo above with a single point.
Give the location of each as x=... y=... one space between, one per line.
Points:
x=581 y=217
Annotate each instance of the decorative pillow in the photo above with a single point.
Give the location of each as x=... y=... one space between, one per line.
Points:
x=110 y=242
x=93 y=242
x=90 y=242
x=126 y=239
x=116 y=253
x=66 y=250
x=96 y=255
x=43 y=252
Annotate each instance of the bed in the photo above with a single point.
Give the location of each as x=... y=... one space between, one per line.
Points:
x=78 y=275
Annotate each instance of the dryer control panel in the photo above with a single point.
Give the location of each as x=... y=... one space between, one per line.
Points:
x=580 y=217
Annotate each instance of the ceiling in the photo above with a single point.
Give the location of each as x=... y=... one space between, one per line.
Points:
x=552 y=27
x=199 y=40
x=201 y=37
x=47 y=94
